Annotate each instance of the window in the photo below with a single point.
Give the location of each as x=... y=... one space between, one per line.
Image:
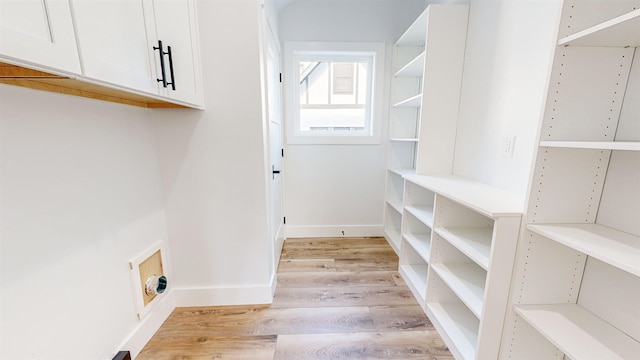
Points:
x=331 y=92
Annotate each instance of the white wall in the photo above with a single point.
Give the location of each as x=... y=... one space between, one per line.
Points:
x=86 y=185
x=507 y=61
x=331 y=188
x=213 y=168
x=81 y=197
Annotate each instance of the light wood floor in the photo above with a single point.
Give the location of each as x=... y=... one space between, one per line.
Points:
x=335 y=299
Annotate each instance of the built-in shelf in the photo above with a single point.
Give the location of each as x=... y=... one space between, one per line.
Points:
x=417 y=276
x=422 y=213
x=404 y=139
x=473 y=242
x=421 y=243
x=403 y=171
x=394 y=237
x=611 y=246
x=621 y=31
x=416 y=33
x=466 y=289
x=578 y=333
x=395 y=206
x=484 y=199
x=466 y=280
x=604 y=145
x=412 y=102
x=457 y=324
x=574 y=290
x=414 y=68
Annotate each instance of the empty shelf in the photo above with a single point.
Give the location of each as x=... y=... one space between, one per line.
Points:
x=578 y=333
x=621 y=31
x=611 y=246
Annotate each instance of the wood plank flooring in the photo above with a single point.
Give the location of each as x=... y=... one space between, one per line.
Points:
x=335 y=299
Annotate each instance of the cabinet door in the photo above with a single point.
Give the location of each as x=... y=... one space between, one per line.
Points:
x=175 y=26
x=112 y=41
x=40 y=33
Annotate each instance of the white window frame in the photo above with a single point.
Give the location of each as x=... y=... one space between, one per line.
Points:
x=294 y=51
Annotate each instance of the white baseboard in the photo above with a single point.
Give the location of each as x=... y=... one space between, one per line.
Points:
x=220 y=296
x=300 y=231
x=274 y=283
x=149 y=324
x=278 y=244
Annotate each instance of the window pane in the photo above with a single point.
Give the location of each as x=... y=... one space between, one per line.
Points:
x=363 y=77
x=343 y=78
x=314 y=83
x=326 y=119
x=333 y=96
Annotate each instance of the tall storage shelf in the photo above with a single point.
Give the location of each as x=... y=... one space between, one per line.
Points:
x=457 y=251
x=427 y=75
x=576 y=284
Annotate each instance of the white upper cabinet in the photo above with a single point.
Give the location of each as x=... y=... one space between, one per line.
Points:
x=39 y=32
x=119 y=45
x=112 y=40
x=108 y=50
x=173 y=23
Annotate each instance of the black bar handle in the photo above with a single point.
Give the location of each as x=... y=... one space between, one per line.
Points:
x=164 y=75
x=173 y=79
x=274 y=171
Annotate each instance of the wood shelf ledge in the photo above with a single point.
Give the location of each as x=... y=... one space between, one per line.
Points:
x=40 y=80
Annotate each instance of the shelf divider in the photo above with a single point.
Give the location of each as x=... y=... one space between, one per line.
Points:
x=421 y=243
x=621 y=31
x=604 y=145
x=422 y=213
x=412 y=102
x=415 y=276
x=466 y=281
x=414 y=68
x=416 y=33
x=395 y=206
x=611 y=246
x=404 y=139
x=395 y=237
x=455 y=322
x=473 y=242
x=403 y=171
x=578 y=333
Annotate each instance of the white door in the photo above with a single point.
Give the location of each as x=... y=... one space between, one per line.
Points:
x=174 y=25
x=39 y=32
x=113 y=43
x=274 y=88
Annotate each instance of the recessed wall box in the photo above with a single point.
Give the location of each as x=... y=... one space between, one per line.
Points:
x=149 y=277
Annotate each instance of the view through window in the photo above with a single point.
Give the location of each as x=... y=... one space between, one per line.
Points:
x=334 y=96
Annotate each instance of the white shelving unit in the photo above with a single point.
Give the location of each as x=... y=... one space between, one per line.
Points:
x=415 y=249
x=427 y=68
x=457 y=252
x=576 y=284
